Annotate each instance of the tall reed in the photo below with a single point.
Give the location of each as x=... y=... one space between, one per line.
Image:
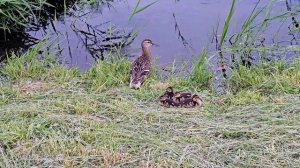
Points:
x=16 y=13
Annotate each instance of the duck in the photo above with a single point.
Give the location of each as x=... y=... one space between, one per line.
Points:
x=170 y=103
x=187 y=103
x=162 y=100
x=198 y=101
x=166 y=102
x=178 y=96
x=169 y=92
x=141 y=66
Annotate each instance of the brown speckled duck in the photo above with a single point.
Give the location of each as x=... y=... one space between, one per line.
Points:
x=141 y=67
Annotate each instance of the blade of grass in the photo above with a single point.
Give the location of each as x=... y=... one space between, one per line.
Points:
x=227 y=24
x=247 y=24
x=136 y=10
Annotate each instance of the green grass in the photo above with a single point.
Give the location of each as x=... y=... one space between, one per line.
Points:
x=201 y=75
x=14 y=13
x=136 y=10
x=52 y=116
x=28 y=67
x=274 y=77
x=106 y=74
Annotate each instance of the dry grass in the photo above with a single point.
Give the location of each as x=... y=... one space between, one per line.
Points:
x=54 y=117
x=73 y=127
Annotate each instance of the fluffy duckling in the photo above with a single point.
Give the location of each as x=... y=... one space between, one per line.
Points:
x=198 y=101
x=166 y=102
x=179 y=97
x=141 y=67
x=162 y=100
x=171 y=103
x=187 y=103
x=169 y=93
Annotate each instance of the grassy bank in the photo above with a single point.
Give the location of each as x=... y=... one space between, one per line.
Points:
x=52 y=116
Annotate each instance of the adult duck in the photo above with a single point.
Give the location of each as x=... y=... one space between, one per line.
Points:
x=141 y=67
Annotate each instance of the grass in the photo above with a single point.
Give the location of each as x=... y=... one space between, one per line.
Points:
x=273 y=77
x=15 y=13
x=136 y=10
x=201 y=75
x=246 y=61
x=53 y=116
x=105 y=74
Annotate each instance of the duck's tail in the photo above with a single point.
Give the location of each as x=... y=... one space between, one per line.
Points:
x=134 y=85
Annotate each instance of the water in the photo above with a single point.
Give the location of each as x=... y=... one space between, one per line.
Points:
x=181 y=28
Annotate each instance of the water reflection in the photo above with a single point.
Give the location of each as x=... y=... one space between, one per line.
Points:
x=98 y=41
x=182 y=29
x=294 y=25
x=180 y=36
x=78 y=39
x=17 y=41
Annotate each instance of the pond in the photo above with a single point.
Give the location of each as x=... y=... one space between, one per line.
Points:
x=182 y=28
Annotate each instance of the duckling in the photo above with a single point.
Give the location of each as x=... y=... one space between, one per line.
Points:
x=141 y=67
x=169 y=93
x=198 y=101
x=166 y=102
x=181 y=96
x=162 y=100
x=171 y=103
x=187 y=103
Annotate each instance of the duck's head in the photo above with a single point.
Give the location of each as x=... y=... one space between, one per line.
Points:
x=177 y=95
x=169 y=89
x=163 y=98
x=197 y=98
x=148 y=43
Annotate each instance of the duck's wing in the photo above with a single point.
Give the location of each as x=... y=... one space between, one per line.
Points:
x=140 y=69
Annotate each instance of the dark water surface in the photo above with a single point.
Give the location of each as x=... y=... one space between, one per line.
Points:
x=181 y=28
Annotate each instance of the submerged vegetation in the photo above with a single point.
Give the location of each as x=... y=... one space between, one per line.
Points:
x=52 y=116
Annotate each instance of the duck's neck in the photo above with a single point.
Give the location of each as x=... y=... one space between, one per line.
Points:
x=146 y=52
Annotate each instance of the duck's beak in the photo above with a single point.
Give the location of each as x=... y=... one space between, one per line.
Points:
x=154 y=44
